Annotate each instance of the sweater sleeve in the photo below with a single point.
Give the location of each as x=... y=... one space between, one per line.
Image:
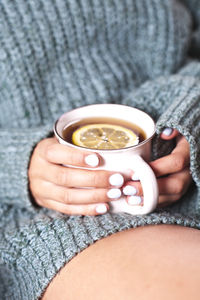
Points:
x=15 y=152
x=174 y=101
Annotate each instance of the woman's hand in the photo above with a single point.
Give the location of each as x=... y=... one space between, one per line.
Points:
x=172 y=172
x=61 y=188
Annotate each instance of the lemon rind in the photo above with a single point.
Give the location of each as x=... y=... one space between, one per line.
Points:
x=134 y=139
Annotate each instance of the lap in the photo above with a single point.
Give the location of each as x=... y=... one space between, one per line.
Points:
x=151 y=262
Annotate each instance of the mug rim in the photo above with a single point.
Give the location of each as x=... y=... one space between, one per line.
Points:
x=104 y=150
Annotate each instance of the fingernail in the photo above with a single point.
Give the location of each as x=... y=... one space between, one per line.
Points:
x=167 y=131
x=134 y=200
x=116 y=179
x=92 y=160
x=101 y=209
x=114 y=193
x=135 y=177
x=129 y=190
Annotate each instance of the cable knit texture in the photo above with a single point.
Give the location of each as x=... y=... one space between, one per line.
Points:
x=56 y=55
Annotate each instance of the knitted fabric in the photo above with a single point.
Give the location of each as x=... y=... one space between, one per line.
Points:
x=56 y=55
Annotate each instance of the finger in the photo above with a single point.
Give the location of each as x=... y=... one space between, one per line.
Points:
x=135 y=200
x=132 y=188
x=97 y=209
x=72 y=195
x=62 y=154
x=76 y=177
x=172 y=163
x=182 y=144
x=169 y=133
x=165 y=200
x=175 y=184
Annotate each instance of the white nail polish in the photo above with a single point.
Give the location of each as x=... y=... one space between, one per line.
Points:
x=101 y=209
x=129 y=190
x=116 y=179
x=134 y=200
x=167 y=131
x=114 y=193
x=135 y=177
x=92 y=160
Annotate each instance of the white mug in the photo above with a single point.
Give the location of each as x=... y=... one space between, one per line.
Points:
x=123 y=160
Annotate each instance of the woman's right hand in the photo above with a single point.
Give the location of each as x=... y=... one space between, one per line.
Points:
x=63 y=189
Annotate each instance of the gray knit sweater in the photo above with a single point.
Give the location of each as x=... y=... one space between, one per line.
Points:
x=56 y=55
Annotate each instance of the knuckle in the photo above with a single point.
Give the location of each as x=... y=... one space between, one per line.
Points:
x=62 y=177
x=31 y=173
x=94 y=178
x=99 y=178
x=38 y=147
x=103 y=179
x=179 y=162
x=75 y=157
x=39 y=201
x=65 y=210
x=178 y=186
x=34 y=189
x=49 y=151
x=66 y=197
x=31 y=186
x=41 y=145
x=96 y=197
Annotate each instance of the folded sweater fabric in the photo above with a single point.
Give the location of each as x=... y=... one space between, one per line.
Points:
x=56 y=55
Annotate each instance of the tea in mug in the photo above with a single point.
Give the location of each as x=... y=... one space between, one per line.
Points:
x=103 y=133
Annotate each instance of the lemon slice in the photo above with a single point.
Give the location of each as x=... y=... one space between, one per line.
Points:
x=104 y=136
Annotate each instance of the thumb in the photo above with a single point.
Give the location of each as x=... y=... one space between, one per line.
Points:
x=169 y=133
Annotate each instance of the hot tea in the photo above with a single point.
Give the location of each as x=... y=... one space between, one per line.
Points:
x=105 y=121
x=103 y=133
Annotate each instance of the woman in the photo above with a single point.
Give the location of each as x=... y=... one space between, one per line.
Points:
x=60 y=54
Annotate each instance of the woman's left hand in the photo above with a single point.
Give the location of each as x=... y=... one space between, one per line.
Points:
x=172 y=172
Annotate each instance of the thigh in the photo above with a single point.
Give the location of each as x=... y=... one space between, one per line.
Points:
x=151 y=262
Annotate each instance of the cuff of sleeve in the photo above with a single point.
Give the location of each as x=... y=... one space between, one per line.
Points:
x=192 y=68
x=15 y=152
x=172 y=101
x=183 y=114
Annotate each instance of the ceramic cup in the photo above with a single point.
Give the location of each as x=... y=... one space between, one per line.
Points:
x=133 y=158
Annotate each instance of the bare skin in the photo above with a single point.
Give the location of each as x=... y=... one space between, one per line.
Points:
x=151 y=262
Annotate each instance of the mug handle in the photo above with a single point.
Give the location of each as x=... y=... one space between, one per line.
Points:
x=149 y=185
x=148 y=181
